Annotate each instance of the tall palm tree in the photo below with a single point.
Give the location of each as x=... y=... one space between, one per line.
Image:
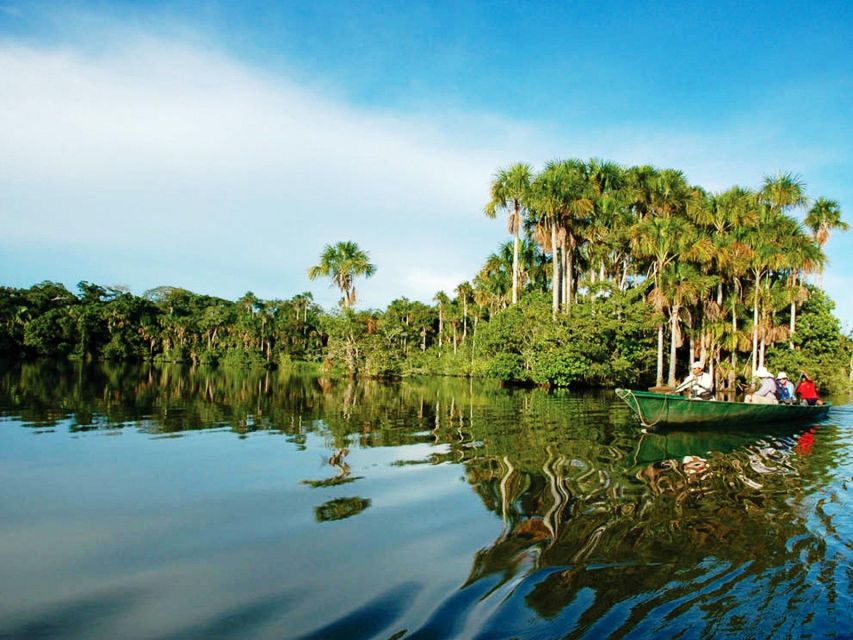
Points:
x=801 y=255
x=666 y=234
x=342 y=262
x=732 y=215
x=546 y=208
x=577 y=207
x=662 y=240
x=823 y=217
x=442 y=301
x=511 y=191
x=682 y=284
x=605 y=234
x=778 y=194
x=465 y=294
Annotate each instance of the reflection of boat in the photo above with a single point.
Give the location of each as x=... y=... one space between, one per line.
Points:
x=658 y=409
x=665 y=444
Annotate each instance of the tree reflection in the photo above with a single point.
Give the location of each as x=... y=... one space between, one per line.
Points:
x=340 y=508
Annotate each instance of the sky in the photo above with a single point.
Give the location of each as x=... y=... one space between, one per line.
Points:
x=219 y=146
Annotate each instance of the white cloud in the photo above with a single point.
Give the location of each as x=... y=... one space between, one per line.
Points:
x=172 y=150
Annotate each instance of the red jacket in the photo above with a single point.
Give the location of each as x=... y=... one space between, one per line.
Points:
x=806 y=390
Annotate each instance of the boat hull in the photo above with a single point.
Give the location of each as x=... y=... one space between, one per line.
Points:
x=659 y=409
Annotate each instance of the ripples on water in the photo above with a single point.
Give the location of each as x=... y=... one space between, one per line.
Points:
x=167 y=503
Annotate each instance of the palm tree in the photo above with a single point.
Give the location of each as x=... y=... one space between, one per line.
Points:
x=802 y=255
x=783 y=191
x=731 y=216
x=342 y=263
x=443 y=301
x=576 y=209
x=511 y=191
x=546 y=207
x=661 y=239
x=778 y=194
x=465 y=293
x=824 y=216
x=683 y=284
x=666 y=234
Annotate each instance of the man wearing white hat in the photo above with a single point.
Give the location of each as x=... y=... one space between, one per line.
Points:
x=784 y=389
x=699 y=382
x=766 y=393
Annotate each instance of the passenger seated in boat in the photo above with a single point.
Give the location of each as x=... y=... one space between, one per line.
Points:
x=784 y=389
x=806 y=390
x=698 y=382
x=766 y=393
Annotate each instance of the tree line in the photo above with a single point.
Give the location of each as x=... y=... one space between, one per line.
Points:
x=605 y=265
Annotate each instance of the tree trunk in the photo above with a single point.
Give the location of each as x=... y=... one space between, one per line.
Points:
x=711 y=367
x=464 y=320
x=673 y=328
x=793 y=326
x=659 y=371
x=564 y=275
x=555 y=274
x=755 y=325
x=570 y=274
x=440 y=325
x=515 y=261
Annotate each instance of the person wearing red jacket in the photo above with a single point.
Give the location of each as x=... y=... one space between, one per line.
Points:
x=806 y=390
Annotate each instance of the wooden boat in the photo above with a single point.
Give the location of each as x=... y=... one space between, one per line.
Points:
x=660 y=409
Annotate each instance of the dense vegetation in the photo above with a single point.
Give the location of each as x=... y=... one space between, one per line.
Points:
x=605 y=267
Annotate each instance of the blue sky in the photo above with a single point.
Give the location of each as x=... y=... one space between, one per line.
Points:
x=219 y=146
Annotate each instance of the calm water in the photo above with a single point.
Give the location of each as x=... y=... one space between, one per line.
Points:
x=170 y=503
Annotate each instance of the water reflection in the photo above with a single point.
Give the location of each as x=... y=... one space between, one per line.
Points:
x=601 y=530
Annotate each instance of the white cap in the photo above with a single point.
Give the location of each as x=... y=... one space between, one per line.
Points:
x=697 y=365
x=781 y=375
x=762 y=372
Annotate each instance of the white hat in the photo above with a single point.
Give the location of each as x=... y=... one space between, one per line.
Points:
x=762 y=372
x=781 y=375
x=697 y=365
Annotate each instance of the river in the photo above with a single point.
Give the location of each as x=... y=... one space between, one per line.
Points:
x=143 y=502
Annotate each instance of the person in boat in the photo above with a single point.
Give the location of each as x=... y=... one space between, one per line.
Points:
x=784 y=389
x=806 y=390
x=766 y=393
x=699 y=383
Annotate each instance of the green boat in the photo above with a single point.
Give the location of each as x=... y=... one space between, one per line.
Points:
x=661 y=409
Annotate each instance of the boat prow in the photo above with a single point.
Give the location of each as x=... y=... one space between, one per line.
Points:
x=660 y=409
